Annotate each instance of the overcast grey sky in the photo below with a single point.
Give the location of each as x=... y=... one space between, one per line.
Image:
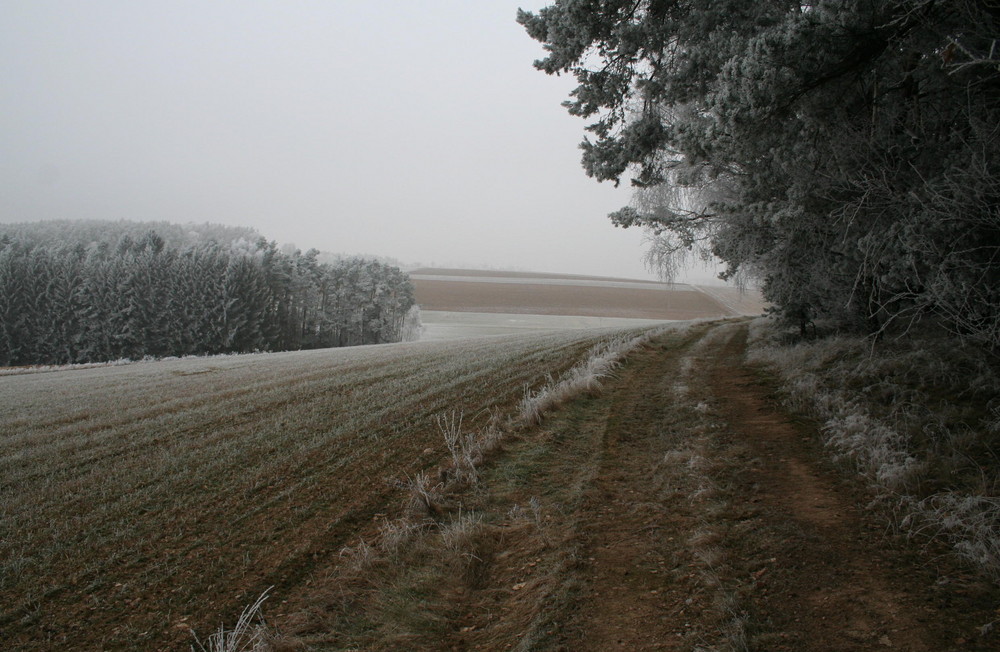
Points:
x=416 y=130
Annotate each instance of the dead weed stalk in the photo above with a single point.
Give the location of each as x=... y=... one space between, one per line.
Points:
x=246 y=636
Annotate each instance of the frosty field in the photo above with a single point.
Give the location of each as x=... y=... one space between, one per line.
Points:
x=477 y=291
x=447 y=325
x=143 y=500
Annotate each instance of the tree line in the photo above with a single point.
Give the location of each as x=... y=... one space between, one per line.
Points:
x=844 y=153
x=69 y=302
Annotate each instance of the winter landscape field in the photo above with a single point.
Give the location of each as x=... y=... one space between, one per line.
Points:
x=143 y=500
x=489 y=488
x=203 y=205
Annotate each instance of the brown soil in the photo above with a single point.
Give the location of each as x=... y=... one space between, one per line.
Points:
x=443 y=271
x=587 y=301
x=206 y=543
x=682 y=509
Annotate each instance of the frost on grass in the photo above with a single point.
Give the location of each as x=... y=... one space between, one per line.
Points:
x=583 y=378
x=423 y=494
x=915 y=417
x=250 y=634
x=970 y=523
x=464 y=447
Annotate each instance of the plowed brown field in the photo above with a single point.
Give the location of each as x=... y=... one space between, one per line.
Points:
x=140 y=502
x=502 y=292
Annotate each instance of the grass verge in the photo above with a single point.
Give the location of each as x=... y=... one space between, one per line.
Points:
x=919 y=418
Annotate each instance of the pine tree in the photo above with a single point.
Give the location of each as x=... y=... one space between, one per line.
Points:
x=843 y=153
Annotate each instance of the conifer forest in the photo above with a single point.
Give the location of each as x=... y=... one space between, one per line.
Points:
x=87 y=292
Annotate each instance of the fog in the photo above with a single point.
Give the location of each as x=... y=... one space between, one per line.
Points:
x=417 y=131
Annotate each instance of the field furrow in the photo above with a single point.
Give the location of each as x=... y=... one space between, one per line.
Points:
x=141 y=500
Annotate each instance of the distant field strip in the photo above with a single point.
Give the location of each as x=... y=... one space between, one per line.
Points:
x=560 y=296
x=633 y=285
x=138 y=500
x=479 y=273
x=747 y=302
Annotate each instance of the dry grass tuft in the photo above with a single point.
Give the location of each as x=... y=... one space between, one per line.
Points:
x=970 y=523
x=397 y=535
x=467 y=546
x=246 y=636
x=466 y=452
x=359 y=557
x=423 y=494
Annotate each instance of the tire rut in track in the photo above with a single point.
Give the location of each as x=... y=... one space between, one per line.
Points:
x=819 y=580
x=608 y=568
x=627 y=526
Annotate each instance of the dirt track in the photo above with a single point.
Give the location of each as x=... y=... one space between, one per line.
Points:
x=682 y=510
x=714 y=521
